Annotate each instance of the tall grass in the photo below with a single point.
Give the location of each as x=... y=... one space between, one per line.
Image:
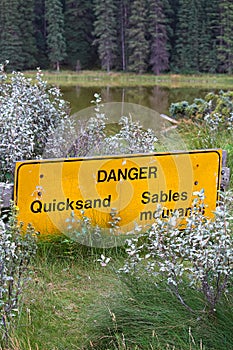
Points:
x=73 y=303
x=198 y=136
x=150 y=318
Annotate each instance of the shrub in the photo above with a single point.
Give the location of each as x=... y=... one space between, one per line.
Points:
x=215 y=110
x=35 y=121
x=30 y=112
x=16 y=251
x=201 y=254
x=92 y=136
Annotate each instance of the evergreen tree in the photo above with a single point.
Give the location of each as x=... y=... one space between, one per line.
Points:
x=159 y=56
x=105 y=29
x=137 y=37
x=123 y=7
x=188 y=36
x=40 y=34
x=55 y=32
x=225 y=44
x=27 y=21
x=170 y=12
x=209 y=24
x=79 y=17
x=10 y=36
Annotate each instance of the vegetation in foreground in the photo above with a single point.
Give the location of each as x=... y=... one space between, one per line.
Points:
x=72 y=302
x=76 y=300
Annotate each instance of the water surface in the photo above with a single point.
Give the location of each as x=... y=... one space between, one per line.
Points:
x=156 y=97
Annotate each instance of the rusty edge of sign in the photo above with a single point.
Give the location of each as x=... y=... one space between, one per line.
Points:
x=7 y=189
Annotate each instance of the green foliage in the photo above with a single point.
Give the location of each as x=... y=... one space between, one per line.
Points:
x=137 y=37
x=215 y=110
x=98 y=310
x=40 y=35
x=199 y=256
x=186 y=48
x=159 y=56
x=17 y=40
x=29 y=115
x=79 y=34
x=27 y=18
x=225 y=48
x=145 y=317
x=11 y=44
x=208 y=61
x=16 y=251
x=123 y=26
x=55 y=32
x=105 y=28
x=93 y=139
x=182 y=36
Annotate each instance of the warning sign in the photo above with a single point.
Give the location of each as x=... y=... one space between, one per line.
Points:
x=48 y=192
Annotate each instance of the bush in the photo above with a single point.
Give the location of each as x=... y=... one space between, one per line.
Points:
x=16 y=251
x=92 y=136
x=29 y=115
x=215 y=110
x=200 y=255
x=35 y=121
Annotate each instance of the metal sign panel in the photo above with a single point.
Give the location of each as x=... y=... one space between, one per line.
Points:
x=48 y=192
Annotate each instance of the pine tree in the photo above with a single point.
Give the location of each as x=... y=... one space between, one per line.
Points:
x=187 y=36
x=79 y=17
x=209 y=26
x=137 y=37
x=27 y=21
x=55 y=32
x=159 y=56
x=123 y=15
x=105 y=29
x=170 y=12
x=196 y=36
x=10 y=36
x=40 y=34
x=225 y=44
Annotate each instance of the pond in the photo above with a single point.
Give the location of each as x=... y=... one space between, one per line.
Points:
x=156 y=97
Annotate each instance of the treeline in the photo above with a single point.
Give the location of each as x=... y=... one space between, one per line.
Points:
x=182 y=36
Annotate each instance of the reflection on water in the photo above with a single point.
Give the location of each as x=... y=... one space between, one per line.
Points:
x=156 y=97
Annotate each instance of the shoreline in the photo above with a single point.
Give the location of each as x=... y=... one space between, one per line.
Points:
x=101 y=78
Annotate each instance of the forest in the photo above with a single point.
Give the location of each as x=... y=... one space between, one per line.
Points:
x=154 y=36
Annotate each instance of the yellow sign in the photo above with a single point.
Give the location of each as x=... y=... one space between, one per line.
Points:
x=49 y=192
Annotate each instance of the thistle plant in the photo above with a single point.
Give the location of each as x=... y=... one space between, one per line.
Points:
x=16 y=251
x=200 y=256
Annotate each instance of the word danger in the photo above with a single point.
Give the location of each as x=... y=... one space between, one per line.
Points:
x=38 y=207
x=133 y=173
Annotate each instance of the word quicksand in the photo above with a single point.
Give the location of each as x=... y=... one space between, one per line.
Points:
x=38 y=207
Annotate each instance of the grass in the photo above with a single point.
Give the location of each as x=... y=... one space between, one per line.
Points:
x=101 y=78
x=200 y=137
x=73 y=303
x=67 y=284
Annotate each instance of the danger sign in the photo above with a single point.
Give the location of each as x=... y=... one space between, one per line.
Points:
x=48 y=192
